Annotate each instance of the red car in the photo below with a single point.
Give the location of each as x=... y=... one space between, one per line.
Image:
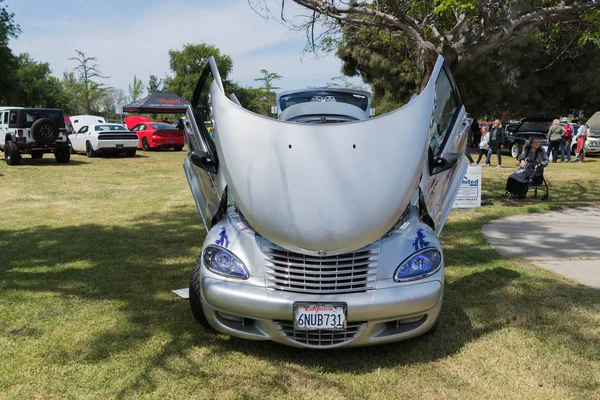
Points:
x=158 y=135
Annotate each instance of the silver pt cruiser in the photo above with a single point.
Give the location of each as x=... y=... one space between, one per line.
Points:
x=323 y=224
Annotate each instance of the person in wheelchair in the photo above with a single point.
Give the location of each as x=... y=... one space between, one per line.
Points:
x=532 y=161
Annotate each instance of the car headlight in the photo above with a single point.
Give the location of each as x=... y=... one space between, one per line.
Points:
x=418 y=265
x=223 y=262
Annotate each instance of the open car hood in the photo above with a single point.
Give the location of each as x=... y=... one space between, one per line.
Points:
x=320 y=187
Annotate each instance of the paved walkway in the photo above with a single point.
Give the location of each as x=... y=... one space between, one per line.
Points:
x=565 y=242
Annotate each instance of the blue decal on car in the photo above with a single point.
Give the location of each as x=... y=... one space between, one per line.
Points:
x=420 y=241
x=223 y=239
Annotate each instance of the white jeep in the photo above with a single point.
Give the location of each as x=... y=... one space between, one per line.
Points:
x=33 y=131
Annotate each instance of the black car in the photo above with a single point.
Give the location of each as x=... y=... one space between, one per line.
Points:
x=518 y=136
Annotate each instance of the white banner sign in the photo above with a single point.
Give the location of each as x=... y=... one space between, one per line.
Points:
x=469 y=194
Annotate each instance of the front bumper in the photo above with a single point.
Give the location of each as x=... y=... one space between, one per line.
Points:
x=374 y=317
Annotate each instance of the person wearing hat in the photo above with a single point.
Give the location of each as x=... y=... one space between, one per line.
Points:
x=554 y=139
x=567 y=136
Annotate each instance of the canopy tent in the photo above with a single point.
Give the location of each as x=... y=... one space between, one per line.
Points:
x=158 y=103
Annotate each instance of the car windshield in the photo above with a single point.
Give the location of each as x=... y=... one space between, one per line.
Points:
x=162 y=127
x=108 y=128
x=535 y=126
x=34 y=114
x=324 y=96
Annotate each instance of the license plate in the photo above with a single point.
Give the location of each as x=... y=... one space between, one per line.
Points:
x=313 y=317
x=119 y=146
x=172 y=141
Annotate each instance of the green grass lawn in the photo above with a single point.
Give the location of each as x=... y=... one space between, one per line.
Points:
x=91 y=250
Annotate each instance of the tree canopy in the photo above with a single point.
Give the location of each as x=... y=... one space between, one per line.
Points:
x=187 y=65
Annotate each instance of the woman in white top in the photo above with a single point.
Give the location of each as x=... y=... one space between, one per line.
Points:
x=580 y=139
x=484 y=144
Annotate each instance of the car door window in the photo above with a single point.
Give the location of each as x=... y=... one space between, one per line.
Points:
x=13 y=119
x=447 y=107
x=83 y=129
x=5 y=118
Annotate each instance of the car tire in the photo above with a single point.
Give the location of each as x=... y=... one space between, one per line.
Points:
x=12 y=155
x=44 y=131
x=89 y=150
x=434 y=327
x=145 y=144
x=177 y=148
x=514 y=150
x=36 y=155
x=196 y=294
x=130 y=153
x=62 y=155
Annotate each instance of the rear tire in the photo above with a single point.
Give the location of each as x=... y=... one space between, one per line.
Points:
x=36 y=155
x=89 y=150
x=44 y=131
x=196 y=294
x=62 y=155
x=130 y=153
x=514 y=150
x=12 y=155
x=145 y=145
x=177 y=148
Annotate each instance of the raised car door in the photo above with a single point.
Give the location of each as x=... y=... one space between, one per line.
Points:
x=206 y=181
x=447 y=164
x=78 y=141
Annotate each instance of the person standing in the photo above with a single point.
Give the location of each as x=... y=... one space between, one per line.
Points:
x=468 y=146
x=484 y=145
x=555 y=139
x=581 y=137
x=496 y=139
x=476 y=132
x=566 y=141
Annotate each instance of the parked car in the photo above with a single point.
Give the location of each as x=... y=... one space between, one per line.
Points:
x=79 y=121
x=517 y=137
x=34 y=131
x=592 y=144
x=153 y=135
x=104 y=138
x=323 y=226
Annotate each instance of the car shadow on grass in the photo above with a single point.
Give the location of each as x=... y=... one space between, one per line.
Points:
x=136 y=266
x=47 y=161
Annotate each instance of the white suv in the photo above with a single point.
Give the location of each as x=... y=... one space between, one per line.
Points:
x=33 y=131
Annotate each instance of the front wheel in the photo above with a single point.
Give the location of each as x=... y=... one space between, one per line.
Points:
x=12 y=155
x=196 y=294
x=145 y=145
x=89 y=150
x=514 y=150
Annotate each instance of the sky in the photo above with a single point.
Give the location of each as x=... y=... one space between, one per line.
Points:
x=133 y=37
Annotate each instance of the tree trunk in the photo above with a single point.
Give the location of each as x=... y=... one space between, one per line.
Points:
x=428 y=59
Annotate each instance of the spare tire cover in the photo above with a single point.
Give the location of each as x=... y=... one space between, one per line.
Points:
x=44 y=131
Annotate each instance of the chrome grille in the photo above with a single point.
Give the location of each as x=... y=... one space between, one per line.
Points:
x=321 y=337
x=344 y=273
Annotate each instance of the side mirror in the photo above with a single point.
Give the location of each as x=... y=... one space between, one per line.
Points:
x=444 y=163
x=201 y=159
